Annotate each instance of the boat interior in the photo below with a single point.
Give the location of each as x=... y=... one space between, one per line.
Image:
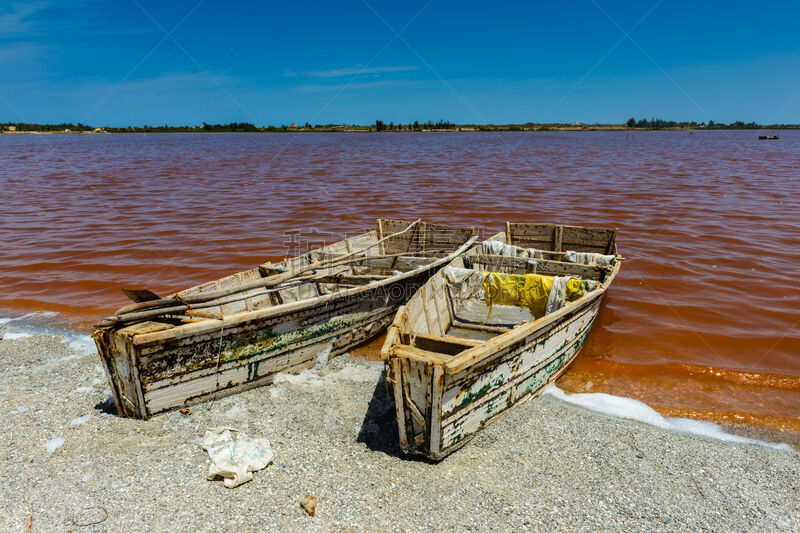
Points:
x=371 y=257
x=528 y=271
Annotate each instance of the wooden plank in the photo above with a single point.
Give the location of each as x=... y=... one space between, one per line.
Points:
x=432 y=312
x=119 y=365
x=415 y=316
x=169 y=397
x=416 y=391
x=435 y=343
x=611 y=249
x=401 y=263
x=361 y=242
x=355 y=280
x=233 y=378
x=437 y=385
x=392 y=337
x=424 y=356
x=545 y=237
x=581 y=239
x=424 y=236
x=440 y=298
x=558 y=234
x=531 y=231
x=508 y=233
x=396 y=366
x=547 y=267
x=175 y=363
x=433 y=293
x=381 y=234
x=424 y=300
x=539 y=236
x=478 y=327
x=512 y=361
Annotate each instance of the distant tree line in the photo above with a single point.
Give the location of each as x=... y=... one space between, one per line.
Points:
x=211 y=128
x=659 y=124
x=24 y=126
x=415 y=126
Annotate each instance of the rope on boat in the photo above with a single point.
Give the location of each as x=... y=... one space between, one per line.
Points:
x=219 y=358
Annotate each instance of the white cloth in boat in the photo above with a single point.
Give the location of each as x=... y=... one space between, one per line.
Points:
x=510 y=250
x=463 y=283
x=588 y=258
x=558 y=294
x=456 y=275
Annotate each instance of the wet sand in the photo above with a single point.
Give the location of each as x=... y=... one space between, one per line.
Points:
x=545 y=466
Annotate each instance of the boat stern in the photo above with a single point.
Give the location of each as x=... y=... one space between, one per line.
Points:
x=417 y=386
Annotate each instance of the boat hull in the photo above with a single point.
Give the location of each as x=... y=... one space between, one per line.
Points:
x=439 y=411
x=151 y=377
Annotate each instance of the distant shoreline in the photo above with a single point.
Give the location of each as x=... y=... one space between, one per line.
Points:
x=362 y=130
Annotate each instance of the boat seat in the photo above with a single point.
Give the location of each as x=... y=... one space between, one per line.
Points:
x=443 y=345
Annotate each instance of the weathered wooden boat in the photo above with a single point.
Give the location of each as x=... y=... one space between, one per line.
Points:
x=492 y=329
x=237 y=332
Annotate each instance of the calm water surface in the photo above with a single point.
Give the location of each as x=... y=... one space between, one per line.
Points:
x=703 y=321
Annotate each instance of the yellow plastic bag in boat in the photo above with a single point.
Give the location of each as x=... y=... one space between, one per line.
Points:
x=531 y=291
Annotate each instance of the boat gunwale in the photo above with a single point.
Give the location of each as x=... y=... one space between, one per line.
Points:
x=211 y=325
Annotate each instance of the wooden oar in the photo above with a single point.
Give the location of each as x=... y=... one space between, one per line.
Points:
x=160 y=310
x=141 y=295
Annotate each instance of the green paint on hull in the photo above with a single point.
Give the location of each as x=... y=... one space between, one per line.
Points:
x=257 y=343
x=470 y=397
x=534 y=382
x=254 y=347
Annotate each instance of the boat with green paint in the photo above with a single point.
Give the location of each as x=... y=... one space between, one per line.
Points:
x=237 y=332
x=494 y=328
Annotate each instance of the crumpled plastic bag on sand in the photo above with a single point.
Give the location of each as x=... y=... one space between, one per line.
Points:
x=235 y=460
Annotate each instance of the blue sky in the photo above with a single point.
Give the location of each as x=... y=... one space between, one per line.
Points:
x=141 y=61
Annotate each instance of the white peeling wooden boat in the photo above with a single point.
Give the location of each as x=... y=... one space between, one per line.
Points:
x=492 y=329
x=239 y=331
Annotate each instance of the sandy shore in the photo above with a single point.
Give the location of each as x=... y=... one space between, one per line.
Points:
x=546 y=466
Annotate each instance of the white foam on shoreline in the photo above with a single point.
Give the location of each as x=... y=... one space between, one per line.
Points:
x=14 y=336
x=77 y=342
x=630 y=409
x=45 y=314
